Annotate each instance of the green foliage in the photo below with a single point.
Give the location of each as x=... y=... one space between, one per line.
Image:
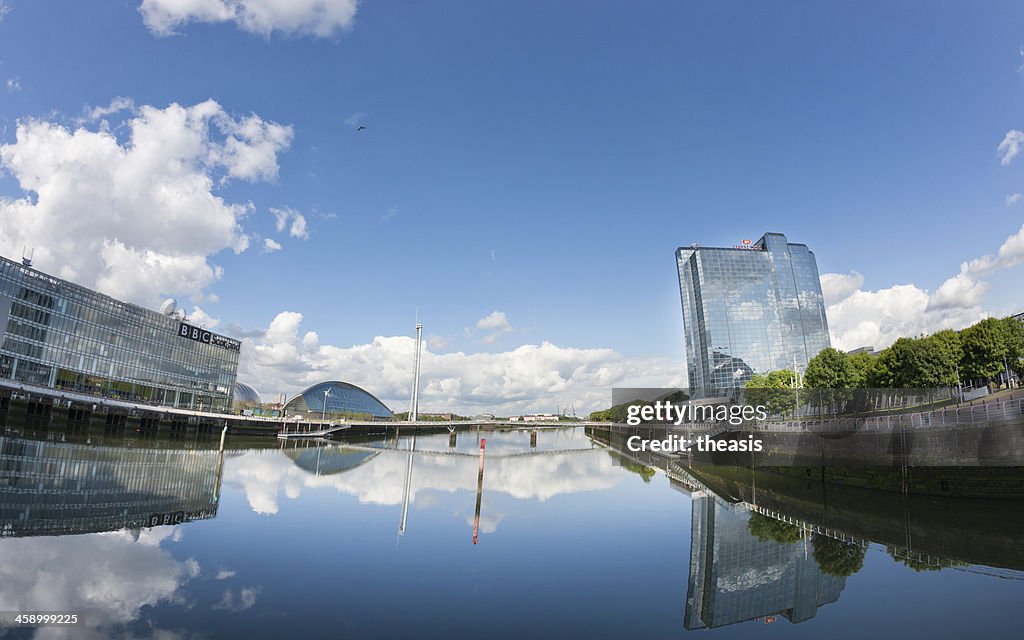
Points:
x=830 y=369
x=865 y=370
x=985 y=344
x=772 y=530
x=898 y=554
x=921 y=363
x=838 y=558
x=643 y=471
x=774 y=390
x=616 y=413
x=977 y=352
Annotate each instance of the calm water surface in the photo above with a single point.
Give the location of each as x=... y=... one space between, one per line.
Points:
x=369 y=540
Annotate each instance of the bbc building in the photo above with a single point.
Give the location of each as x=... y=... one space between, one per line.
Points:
x=59 y=335
x=752 y=308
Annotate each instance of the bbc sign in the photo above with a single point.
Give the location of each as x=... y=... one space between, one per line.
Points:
x=207 y=337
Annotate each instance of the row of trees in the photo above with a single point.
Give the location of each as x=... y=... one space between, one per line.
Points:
x=980 y=353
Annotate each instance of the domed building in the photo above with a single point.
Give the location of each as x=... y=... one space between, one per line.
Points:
x=245 y=397
x=343 y=400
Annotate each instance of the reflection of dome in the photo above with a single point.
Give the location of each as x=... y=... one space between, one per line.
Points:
x=325 y=461
x=245 y=397
x=343 y=399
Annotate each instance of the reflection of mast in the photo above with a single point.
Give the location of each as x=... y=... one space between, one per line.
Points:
x=479 y=492
x=220 y=466
x=408 y=486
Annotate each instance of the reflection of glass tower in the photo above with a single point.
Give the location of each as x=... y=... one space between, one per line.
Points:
x=734 y=576
x=749 y=309
x=60 y=488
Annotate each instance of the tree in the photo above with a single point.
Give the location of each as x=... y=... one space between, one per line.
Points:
x=921 y=363
x=952 y=351
x=838 y=558
x=865 y=370
x=830 y=369
x=774 y=390
x=985 y=345
x=1014 y=342
x=772 y=530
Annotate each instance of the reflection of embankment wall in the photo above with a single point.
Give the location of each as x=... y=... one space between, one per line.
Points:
x=978 y=531
x=997 y=442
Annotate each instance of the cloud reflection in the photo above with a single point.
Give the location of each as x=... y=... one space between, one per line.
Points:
x=107 y=578
x=265 y=475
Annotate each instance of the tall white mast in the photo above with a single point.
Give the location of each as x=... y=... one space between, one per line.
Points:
x=414 y=404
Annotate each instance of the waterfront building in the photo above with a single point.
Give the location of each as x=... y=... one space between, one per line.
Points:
x=246 y=398
x=57 y=334
x=61 y=488
x=334 y=400
x=752 y=308
x=736 y=576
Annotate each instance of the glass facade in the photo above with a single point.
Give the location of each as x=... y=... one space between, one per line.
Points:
x=61 y=488
x=749 y=309
x=342 y=400
x=735 y=576
x=246 y=397
x=56 y=334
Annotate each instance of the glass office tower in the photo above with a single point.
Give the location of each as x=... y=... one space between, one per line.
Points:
x=752 y=308
x=56 y=334
x=736 y=576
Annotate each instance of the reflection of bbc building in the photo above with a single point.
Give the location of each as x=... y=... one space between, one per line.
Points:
x=56 y=334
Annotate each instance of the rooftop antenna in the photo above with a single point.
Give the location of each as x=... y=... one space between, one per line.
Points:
x=27 y=260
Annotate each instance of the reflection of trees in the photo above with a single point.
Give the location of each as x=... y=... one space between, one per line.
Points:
x=900 y=554
x=644 y=472
x=838 y=558
x=772 y=530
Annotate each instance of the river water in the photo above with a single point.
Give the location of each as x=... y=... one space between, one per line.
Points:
x=559 y=537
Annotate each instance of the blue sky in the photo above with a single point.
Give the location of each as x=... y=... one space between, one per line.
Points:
x=542 y=160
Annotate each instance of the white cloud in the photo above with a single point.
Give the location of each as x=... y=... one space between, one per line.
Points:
x=246 y=599
x=496 y=320
x=13 y=84
x=318 y=18
x=203 y=319
x=837 y=287
x=497 y=323
x=532 y=377
x=4 y=9
x=1013 y=199
x=877 y=318
x=224 y=574
x=137 y=219
x=390 y=213
x=295 y=222
x=1010 y=146
x=1010 y=254
x=271 y=245
x=116 y=105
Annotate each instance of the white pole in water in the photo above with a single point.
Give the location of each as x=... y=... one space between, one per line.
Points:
x=414 y=406
x=223 y=433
